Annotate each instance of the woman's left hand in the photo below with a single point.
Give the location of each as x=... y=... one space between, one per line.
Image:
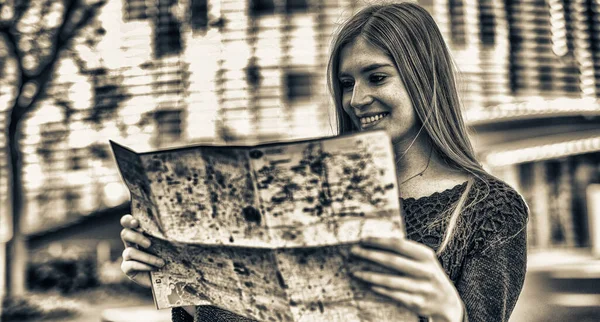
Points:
x=421 y=284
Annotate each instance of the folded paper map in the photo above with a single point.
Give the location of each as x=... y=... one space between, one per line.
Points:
x=264 y=231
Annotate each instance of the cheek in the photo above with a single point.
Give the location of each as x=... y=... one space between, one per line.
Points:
x=405 y=119
x=401 y=105
x=346 y=105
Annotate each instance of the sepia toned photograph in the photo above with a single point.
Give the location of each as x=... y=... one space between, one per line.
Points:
x=299 y=160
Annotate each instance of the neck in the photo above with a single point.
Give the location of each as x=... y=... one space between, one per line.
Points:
x=412 y=159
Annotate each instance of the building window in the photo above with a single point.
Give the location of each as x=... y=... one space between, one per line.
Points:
x=72 y=200
x=99 y=151
x=199 y=9
x=168 y=127
x=135 y=10
x=76 y=162
x=253 y=75
x=105 y=89
x=292 y=6
x=261 y=7
x=487 y=22
x=457 y=22
x=52 y=135
x=298 y=86
x=546 y=78
x=167 y=33
x=108 y=94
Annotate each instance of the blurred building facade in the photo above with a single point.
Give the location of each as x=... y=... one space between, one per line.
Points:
x=176 y=72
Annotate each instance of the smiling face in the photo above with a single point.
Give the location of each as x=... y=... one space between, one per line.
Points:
x=373 y=95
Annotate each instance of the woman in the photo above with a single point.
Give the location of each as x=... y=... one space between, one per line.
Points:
x=465 y=256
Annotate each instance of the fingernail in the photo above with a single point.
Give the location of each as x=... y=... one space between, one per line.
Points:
x=147 y=244
x=355 y=250
x=162 y=263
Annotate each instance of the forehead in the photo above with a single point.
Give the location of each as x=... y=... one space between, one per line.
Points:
x=360 y=53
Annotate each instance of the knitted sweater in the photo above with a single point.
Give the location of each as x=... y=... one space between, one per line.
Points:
x=485 y=259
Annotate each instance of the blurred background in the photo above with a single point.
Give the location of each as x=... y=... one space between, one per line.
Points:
x=153 y=74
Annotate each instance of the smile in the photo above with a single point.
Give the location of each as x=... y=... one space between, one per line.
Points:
x=371 y=120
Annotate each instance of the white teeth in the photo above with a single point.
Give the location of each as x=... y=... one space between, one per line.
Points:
x=371 y=119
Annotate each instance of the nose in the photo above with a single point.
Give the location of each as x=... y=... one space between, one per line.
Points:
x=361 y=96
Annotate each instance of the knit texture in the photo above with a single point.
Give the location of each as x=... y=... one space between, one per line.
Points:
x=485 y=259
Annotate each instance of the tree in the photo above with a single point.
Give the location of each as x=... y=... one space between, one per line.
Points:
x=34 y=34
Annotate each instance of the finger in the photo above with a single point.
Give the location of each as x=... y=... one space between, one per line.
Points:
x=393 y=261
x=401 y=246
x=133 y=237
x=134 y=254
x=397 y=283
x=132 y=267
x=128 y=221
x=414 y=303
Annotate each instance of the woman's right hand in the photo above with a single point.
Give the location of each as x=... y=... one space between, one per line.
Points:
x=137 y=263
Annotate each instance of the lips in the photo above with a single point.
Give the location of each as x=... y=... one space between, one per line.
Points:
x=370 y=120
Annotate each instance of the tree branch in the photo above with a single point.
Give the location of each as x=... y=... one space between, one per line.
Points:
x=20 y=8
x=79 y=62
x=63 y=35
x=87 y=16
x=70 y=7
x=11 y=43
x=42 y=77
x=4 y=25
x=63 y=38
x=6 y=30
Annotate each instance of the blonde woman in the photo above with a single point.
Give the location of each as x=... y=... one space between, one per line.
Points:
x=465 y=255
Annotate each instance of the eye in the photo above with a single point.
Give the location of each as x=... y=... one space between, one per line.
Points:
x=377 y=78
x=346 y=84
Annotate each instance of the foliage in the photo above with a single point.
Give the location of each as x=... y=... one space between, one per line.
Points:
x=108 y=95
x=26 y=309
x=67 y=275
x=35 y=34
x=19 y=309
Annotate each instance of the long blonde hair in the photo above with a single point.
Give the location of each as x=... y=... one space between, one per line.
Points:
x=410 y=37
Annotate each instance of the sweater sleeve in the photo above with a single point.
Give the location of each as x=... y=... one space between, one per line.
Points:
x=180 y=315
x=216 y=314
x=493 y=271
x=492 y=280
x=206 y=313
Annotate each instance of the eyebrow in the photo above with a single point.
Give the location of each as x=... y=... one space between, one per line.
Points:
x=367 y=69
